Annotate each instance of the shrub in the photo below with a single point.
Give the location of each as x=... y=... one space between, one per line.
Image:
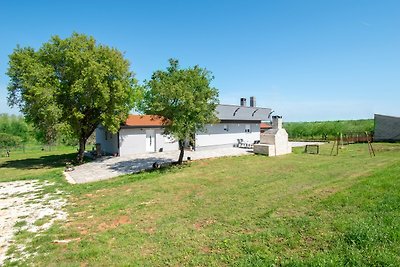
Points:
x=7 y=140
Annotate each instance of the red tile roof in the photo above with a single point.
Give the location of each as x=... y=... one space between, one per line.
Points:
x=144 y=120
x=264 y=125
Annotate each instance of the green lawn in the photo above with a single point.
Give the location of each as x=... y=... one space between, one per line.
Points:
x=35 y=163
x=296 y=210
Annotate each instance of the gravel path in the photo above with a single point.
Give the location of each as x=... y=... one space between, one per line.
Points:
x=22 y=204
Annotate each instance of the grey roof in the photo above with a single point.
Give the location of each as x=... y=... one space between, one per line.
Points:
x=233 y=112
x=387 y=128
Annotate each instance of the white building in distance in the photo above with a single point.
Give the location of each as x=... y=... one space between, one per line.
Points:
x=145 y=133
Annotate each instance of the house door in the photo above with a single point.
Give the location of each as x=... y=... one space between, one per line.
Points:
x=150 y=141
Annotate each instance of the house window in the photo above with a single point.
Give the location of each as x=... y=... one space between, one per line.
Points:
x=108 y=135
x=247 y=128
x=226 y=127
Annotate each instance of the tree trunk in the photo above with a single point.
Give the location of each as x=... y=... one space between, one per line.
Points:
x=81 y=151
x=182 y=151
x=84 y=135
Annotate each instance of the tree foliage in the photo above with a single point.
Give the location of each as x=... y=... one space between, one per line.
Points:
x=184 y=98
x=8 y=140
x=14 y=126
x=71 y=85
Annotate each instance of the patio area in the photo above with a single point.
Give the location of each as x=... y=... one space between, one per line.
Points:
x=109 y=167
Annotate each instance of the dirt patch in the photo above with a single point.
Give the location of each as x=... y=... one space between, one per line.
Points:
x=148 y=250
x=114 y=224
x=150 y=230
x=289 y=212
x=206 y=250
x=84 y=232
x=203 y=163
x=121 y=220
x=308 y=240
x=325 y=192
x=200 y=225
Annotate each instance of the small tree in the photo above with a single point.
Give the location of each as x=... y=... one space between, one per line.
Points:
x=8 y=141
x=15 y=126
x=184 y=98
x=71 y=83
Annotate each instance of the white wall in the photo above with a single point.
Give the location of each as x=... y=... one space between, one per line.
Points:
x=109 y=143
x=165 y=143
x=216 y=135
x=133 y=141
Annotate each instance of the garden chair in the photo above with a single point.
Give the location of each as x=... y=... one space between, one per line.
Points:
x=240 y=143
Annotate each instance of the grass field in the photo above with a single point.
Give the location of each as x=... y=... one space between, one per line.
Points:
x=35 y=163
x=295 y=210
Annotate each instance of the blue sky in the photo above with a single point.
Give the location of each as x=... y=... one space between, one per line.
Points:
x=307 y=60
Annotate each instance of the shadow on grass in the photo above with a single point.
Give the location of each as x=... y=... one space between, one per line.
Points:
x=52 y=161
x=140 y=165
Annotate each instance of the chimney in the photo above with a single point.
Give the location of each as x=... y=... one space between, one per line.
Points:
x=252 y=101
x=276 y=122
x=243 y=101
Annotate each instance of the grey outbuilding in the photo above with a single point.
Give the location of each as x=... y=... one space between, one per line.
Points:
x=387 y=128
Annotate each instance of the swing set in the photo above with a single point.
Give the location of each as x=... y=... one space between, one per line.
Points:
x=346 y=139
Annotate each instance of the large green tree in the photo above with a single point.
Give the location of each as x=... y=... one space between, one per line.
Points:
x=184 y=98
x=71 y=83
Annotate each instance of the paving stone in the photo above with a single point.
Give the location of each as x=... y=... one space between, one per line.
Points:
x=109 y=167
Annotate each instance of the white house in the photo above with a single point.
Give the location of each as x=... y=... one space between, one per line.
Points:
x=144 y=133
x=236 y=122
x=139 y=134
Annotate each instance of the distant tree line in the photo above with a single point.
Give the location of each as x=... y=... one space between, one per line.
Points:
x=327 y=130
x=15 y=132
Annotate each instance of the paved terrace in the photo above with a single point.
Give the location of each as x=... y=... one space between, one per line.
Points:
x=108 y=167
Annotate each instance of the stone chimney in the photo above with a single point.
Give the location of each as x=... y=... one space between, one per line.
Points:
x=252 y=101
x=243 y=101
x=276 y=122
x=274 y=142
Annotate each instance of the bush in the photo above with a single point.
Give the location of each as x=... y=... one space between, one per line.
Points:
x=14 y=126
x=7 y=140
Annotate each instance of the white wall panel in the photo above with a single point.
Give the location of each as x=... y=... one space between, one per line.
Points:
x=165 y=144
x=215 y=135
x=109 y=145
x=132 y=141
